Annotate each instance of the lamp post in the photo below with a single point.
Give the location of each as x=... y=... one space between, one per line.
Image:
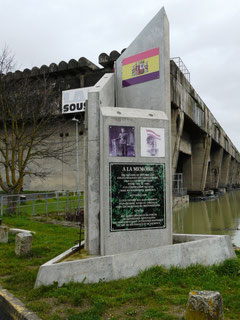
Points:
x=77 y=162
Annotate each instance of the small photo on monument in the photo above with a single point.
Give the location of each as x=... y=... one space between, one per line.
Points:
x=152 y=142
x=121 y=141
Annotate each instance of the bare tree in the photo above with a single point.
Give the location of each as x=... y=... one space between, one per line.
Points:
x=28 y=110
x=6 y=61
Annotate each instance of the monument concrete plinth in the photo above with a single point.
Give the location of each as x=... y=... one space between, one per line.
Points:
x=135 y=207
x=188 y=249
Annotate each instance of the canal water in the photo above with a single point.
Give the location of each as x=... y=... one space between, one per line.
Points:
x=218 y=216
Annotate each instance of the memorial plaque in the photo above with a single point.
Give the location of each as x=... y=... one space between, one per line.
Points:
x=137 y=196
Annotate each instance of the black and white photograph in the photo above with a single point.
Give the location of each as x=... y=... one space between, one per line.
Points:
x=121 y=141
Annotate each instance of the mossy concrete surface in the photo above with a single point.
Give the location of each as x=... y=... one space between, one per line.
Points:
x=204 y=305
x=188 y=249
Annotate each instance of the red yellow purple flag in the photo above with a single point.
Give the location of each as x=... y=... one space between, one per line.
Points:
x=140 y=68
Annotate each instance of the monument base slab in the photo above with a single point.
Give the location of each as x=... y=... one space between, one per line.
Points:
x=187 y=249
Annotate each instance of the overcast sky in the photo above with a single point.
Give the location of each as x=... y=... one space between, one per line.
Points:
x=205 y=34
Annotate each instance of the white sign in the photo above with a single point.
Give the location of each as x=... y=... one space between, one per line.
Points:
x=152 y=142
x=74 y=100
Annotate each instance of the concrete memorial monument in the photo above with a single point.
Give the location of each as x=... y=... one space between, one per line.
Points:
x=128 y=205
x=138 y=130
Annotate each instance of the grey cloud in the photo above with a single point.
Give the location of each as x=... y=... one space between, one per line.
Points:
x=203 y=33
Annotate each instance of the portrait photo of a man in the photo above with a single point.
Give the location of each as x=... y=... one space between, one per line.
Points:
x=121 y=141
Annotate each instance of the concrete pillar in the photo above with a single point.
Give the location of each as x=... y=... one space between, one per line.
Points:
x=85 y=154
x=201 y=146
x=187 y=169
x=224 y=170
x=184 y=158
x=177 y=122
x=238 y=174
x=214 y=169
x=232 y=172
x=92 y=223
x=235 y=173
x=102 y=94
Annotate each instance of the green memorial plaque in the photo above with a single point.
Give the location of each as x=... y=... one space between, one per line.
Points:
x=137 y=196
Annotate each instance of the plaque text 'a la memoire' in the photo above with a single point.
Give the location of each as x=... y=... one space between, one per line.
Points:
x=137 y=196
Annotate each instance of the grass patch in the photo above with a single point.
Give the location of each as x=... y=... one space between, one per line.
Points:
x=18 y=274
x=157 y=293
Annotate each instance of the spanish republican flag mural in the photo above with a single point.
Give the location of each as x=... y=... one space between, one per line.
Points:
x=140 y=68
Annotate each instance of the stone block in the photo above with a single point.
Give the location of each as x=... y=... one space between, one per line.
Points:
x=204 y=305
x=16 y=231
x=3 y=234
x=23 y=244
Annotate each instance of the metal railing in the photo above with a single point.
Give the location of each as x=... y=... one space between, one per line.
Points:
x=178 y=61
x=177 y=185
x=41 y=203
x=179 y=192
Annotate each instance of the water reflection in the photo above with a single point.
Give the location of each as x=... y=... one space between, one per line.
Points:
x=219 y=216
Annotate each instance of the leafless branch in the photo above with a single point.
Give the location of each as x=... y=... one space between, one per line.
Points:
x=29 y=109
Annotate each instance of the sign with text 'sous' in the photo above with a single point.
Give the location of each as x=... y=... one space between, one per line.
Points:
x=137 y=196
x=74 y=100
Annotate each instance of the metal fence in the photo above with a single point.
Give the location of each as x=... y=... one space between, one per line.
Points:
x=59 y=202
x=179 y=192
x=41 y=203
x=182 y=67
